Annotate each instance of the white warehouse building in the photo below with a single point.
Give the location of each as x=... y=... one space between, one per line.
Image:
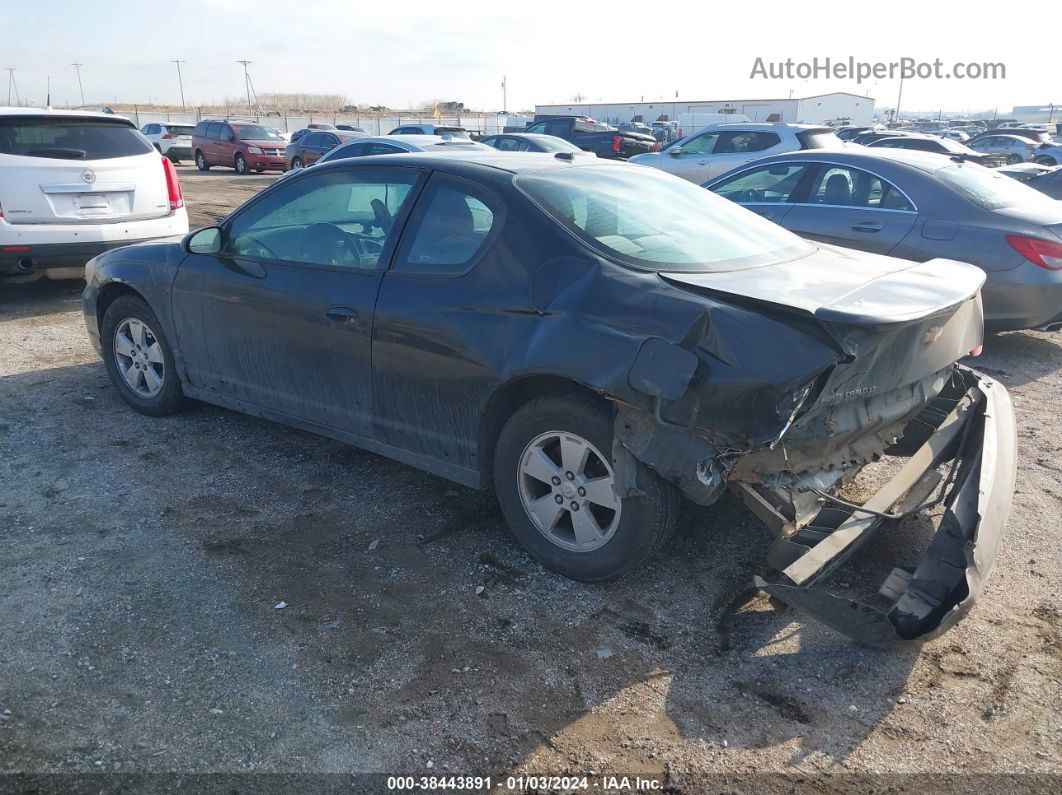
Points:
x=854 y=108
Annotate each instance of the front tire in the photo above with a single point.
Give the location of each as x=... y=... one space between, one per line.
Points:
x=1046 y=161
x=240 y=164
x=201 y=162
x=296 y=162
x=562 y=495
x=139 y=358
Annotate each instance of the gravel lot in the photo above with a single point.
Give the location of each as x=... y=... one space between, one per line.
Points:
x=143 y=561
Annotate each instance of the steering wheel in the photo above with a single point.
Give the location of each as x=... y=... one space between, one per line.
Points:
x=750 y=195
x=253 y=247
x=326 y=244
x=382 y=215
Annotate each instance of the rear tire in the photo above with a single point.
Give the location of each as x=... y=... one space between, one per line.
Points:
x=145 y=376
x=296 y=162
x=625 y=534
x=240 y=164
x=201 y=162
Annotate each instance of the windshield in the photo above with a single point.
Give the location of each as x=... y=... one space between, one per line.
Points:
x=256 y=132
x=989 y=189
x=69 y=139
x=655 y=221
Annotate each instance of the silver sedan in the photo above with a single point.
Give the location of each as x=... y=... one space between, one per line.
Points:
x=919 y=206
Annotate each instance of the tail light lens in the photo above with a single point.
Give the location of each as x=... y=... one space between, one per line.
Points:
x=617 y=143
x=1045 y=253
x=980 y=311
x=169 y=135
x=655 y=147
x=173 y=185
x=1 y=211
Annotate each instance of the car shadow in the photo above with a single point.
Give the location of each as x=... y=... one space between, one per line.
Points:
x=39 y=298
x=416 y=621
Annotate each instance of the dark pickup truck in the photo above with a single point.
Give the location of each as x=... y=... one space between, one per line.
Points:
x=595 y=137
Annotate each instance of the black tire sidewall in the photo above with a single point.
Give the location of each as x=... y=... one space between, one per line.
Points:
x=296 y=162
x=236 y=164
x=201 y=162
x=645 y=516
x=171 y=397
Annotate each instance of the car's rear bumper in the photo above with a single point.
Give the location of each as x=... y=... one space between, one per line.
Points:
x=1022 y=298
x=974 y=438
x=25 y=248
x=179 y=152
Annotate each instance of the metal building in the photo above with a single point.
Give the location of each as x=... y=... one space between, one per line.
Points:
x=818 y=109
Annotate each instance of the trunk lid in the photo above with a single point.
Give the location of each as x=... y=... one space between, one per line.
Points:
x=845 y=286
x=40 y=190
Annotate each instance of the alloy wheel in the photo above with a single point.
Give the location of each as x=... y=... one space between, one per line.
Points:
x=138 y=357
x=568 y=490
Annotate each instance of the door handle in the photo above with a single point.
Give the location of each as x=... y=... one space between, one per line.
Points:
x=868 y=226
x=342 y=314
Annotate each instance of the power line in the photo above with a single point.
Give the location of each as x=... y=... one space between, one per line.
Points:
x=77 y=67
x=180 y=81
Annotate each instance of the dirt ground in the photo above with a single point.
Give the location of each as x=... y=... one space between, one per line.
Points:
x=143 y=561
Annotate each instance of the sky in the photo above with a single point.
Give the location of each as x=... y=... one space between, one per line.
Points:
x=406 y=53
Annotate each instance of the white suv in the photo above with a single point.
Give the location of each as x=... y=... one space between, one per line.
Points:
x=718 y=148
x=172 y=140
x=74 y=184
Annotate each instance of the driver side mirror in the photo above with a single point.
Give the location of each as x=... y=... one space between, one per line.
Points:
x=203 y=241
x=675 y=151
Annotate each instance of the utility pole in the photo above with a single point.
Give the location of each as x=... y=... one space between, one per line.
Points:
x=505 y=105
x=180 y=82
x=11 y=82
x=247 y=83
x=77 y=67
x=896 y=115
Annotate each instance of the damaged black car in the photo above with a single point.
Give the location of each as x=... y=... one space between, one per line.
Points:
x=597 y=341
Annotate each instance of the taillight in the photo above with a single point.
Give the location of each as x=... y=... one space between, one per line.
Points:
x=1045 y=253
x=981 y=313
x=169 y=135
x=1 y=211
x=655 y=147
x=617 y=143
x=173 y=185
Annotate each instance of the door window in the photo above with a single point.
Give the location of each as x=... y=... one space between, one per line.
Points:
x=383 y=149
x=737 y=141
x=769 y=184
x=340 y=218
x=214 y=131
x=701 y=145
x=312 y=141
x=451 y=229
x=839 y=186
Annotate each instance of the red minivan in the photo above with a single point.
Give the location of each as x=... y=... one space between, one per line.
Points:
x=243 y=145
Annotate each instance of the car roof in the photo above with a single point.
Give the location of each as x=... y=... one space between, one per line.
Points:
x=62 y=113
x=923 y=161
x=514 y=162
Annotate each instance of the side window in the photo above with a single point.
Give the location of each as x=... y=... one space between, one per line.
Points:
x=506 y=144
x=213 y=131
x=769 y=184
x=328 y=141
x=744 y=141
x=311 y=140
x=339 y=218
x=539 y=127
x=382 y=149
x=701 y=145
x=200 y=130
x=852 y=187
x=449 y=230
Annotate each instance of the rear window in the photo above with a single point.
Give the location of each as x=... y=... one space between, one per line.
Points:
x=655 y=221
x=179 y=129
x=819 y=139
x=990 y=189
x=70 y=139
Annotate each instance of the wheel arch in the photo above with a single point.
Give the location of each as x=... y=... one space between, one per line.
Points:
x=511 y=395
x=109 y=293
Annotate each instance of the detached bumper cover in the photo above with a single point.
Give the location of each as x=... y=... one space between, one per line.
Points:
x=977 y=438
